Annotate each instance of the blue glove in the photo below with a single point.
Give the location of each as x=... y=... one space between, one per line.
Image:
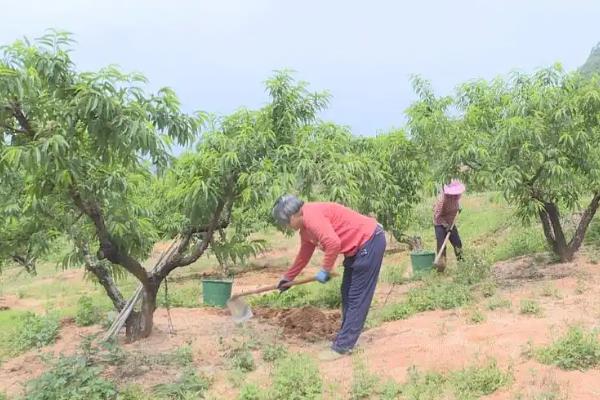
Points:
x=322 y=276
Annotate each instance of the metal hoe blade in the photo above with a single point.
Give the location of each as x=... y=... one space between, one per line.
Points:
x=240 y=311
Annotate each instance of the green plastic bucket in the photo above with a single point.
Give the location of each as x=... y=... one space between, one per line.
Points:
x=216 y=292
x=422 y=261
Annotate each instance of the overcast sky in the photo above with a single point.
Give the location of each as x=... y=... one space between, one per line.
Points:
x=217 y=54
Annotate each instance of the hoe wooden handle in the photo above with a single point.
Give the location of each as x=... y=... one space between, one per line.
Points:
x=273 y=287
x=439 y=254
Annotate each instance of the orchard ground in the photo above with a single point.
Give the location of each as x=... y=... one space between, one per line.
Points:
x=528 y=301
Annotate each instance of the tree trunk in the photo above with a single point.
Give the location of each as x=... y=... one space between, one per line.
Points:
x=139 y=324
x=27 y=263
x=584 y=223
x=548 y=230
x=550 y=218
x=553 y=231
x=109 y=285
x=104 y=278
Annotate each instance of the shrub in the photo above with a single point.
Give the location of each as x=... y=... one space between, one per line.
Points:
x=488 y=289
x=189 y=386
x=71 y=378
x=477 y=316
x=577 y=349
x=35 y=331
x=389 y=390
x=87 y=314
x=250 y=392
x=531 y=307
x=241 y=358
x=133 y=392
x=296 y=377
x=438 y=294
x=477 y=381
x=429 y=386
x=274 y=352
x=471 y=270
x=467 y=384
x=498 y=302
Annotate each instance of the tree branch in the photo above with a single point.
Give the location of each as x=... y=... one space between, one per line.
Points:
x=20 y=116
x=548 y=230
x=13 y=129
x=104 y=277
x=559 y=236
x=223 y=207
x=584 y=222
x=108 y=249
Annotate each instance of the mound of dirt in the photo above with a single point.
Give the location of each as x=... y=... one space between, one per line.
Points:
x=307 y=323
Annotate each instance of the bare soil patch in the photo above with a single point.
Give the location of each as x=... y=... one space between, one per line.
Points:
x=307 y=323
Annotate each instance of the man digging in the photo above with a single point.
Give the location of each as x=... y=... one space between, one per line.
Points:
x=336 y=229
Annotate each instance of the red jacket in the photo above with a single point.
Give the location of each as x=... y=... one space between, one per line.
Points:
x=334 y=229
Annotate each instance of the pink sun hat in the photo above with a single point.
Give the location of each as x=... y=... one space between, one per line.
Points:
x=455 y=188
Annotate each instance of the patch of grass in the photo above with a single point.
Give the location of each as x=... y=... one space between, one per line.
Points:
x=183 y=355
x=133 y=392
x=394 y=274
x=71 y=378
x=397 y=311
x=530 y=307
x=477 y=381
x=318 y=295
x=577 y=349
x=189 y=386
x=497 y=302
x=520 y=241
x=389 y=390
x=9 y=321
x=471 y=270
x=35 y=331
x=274 y=352
x=87 y=313
x=186 y=294
x=488 y=289
x=436 y=293
x=549 y=290
x=250 y=392
x=241 y=358
x=296 y=377
x=363 y=382
x=428 y=386
x=467 y=384
x=582 y=286
x=549 y=390
x=476 y=316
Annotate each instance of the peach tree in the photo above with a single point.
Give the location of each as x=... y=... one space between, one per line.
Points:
x=531 y=136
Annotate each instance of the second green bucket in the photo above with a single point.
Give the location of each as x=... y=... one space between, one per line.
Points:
x=422 y=261
x=216 y=292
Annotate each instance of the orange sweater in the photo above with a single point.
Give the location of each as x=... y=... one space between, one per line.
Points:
x=334 y=229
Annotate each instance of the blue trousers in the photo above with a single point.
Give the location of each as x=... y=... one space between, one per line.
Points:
x=358 y=286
